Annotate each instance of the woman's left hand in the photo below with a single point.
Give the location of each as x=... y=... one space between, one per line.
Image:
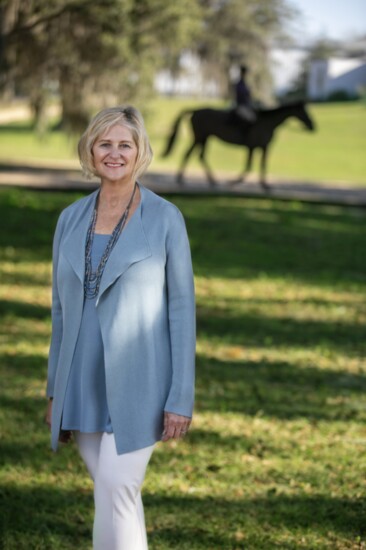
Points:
x=175 y=426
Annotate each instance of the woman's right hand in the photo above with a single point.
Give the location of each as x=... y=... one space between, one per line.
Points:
x=65 y=435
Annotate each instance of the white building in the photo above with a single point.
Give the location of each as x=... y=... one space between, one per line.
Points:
x=335 y=75
x=285 y=66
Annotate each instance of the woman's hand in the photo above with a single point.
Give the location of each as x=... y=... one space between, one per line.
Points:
x=65 y=435
x=175 y=426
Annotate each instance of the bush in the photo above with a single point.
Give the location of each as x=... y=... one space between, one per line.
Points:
x=341 y=95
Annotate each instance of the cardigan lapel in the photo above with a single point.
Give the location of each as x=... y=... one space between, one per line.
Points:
x=74 y=248
x=131 y=247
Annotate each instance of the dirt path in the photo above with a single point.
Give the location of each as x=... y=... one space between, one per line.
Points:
x=68 y=178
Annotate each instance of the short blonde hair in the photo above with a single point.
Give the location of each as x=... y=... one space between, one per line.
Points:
x=127 y=116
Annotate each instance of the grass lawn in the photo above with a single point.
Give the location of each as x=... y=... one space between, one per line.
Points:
x=335 y=152
x=276 y=454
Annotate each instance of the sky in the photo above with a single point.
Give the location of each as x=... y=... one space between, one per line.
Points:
x=337 y=19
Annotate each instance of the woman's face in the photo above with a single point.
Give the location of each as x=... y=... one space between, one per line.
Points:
x=114 y=155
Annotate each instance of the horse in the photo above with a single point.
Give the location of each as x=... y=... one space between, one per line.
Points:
x=227 y=126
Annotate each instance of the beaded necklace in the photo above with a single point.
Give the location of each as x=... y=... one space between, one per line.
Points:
x=92 y=278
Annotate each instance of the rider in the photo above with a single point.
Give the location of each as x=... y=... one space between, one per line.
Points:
x=244 y=109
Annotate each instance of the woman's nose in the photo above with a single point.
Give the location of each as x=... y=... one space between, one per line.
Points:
x=114 y=152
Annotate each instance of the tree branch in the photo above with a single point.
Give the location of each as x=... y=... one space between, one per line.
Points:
x=49 y=17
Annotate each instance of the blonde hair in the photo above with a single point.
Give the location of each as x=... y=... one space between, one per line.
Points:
x=127 y=116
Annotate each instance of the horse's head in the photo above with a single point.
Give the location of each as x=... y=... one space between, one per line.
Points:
x=304 y=116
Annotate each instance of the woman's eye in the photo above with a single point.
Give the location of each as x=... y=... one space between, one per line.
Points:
x=126 y=146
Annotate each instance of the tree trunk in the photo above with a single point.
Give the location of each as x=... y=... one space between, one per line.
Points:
x=75 y=115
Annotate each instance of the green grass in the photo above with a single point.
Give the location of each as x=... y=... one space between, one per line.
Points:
x=335 y=152
x=276 y=454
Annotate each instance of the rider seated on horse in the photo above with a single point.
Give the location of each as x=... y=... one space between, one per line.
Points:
x=244 y=109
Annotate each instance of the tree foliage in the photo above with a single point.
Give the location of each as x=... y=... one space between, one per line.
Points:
x=237 y=32
x=95 y=52
x=92 y=51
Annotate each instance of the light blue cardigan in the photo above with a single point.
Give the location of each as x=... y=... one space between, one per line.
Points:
x=146 y=312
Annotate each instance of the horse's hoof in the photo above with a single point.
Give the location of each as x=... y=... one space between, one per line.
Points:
x=179 y=181
x=266 y=188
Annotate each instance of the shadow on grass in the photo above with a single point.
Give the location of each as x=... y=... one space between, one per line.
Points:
x=247 y=329
x=45 y=517
x=29 y=453
x=230 y=237
x=26 y=409
x=242 y=237
x=20 y=366
x=62 y=518
x=255 y=517
x=23 y=310
x=279 y=390
x=27 y=222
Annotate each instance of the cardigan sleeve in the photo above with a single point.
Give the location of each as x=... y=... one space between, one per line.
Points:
x=182 y=321
x=56 y=313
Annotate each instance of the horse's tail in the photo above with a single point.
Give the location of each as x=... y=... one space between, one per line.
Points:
x=173 y=135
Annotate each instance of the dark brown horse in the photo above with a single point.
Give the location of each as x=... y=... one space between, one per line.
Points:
x=227 y=126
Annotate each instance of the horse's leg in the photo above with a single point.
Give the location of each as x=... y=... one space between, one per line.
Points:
x=184 y=163
x=209 y=174
x=263 y=169
x=248 y=165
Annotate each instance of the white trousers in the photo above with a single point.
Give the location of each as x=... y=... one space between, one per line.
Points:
x=119 y=522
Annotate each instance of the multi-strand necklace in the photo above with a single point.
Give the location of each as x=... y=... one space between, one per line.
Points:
x=92 y=278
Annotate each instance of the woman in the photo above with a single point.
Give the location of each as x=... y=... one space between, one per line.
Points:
x=121 y=362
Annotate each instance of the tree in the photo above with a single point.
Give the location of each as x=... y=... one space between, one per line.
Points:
x=93 y=51
x=98 y=52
